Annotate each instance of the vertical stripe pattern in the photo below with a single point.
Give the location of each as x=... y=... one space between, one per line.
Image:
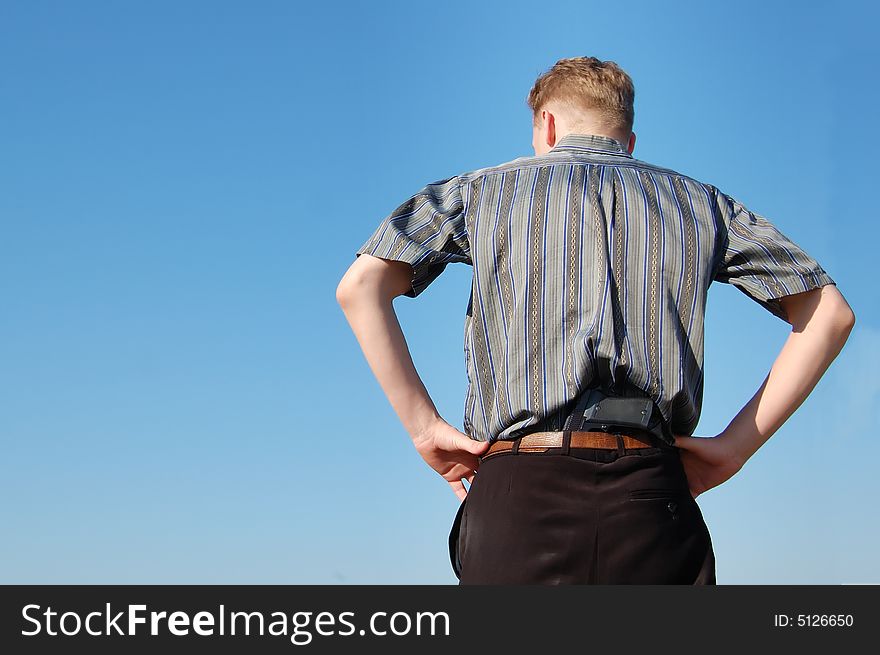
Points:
x=590 y=268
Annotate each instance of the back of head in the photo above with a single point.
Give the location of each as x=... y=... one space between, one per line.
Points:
x=585 y=94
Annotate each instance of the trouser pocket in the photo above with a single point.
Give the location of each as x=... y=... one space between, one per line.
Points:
x=455 y=540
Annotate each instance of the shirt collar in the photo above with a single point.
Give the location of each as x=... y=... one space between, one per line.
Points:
x=591 y=143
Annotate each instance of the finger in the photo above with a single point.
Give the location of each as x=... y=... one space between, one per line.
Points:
x=458 y=488
x=469 y=463
x=471 y=445
x=464 y=461
x=459 y=471
x=470 y=479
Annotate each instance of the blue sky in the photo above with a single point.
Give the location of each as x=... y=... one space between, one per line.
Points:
x=184 y=184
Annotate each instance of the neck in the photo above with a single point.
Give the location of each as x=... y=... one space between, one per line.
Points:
x=587 y=129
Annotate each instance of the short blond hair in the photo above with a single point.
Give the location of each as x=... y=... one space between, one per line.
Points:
x=586 y=85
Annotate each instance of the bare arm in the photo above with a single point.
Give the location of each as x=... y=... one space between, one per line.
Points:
x=365 y=294
x=821 y=321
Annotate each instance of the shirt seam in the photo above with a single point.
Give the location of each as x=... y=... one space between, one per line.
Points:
x=473 y=175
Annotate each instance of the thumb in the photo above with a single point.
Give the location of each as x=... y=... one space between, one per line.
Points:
x=471 y=445
x=682 y=441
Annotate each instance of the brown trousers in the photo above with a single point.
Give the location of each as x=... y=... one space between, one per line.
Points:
x=594 y=516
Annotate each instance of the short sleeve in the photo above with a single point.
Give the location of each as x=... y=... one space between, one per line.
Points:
x=761 y=261
x=427 y=231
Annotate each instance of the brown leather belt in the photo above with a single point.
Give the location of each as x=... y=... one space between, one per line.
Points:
x=538 y=442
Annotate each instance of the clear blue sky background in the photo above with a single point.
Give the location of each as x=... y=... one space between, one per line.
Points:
x=184 y=184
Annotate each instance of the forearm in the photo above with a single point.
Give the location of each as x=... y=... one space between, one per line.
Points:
x=804 y=358
x=375 y=325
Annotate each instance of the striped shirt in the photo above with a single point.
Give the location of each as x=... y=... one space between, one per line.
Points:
x=590 y=268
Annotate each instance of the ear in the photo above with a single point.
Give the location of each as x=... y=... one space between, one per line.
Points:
x=551 y=128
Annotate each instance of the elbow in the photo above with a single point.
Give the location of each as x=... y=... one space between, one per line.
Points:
x=372 y=279
x=348 y=285
x=343 y=292
x=353 y=285
x=841 y=320
x=847 y=320
x=843 y=325
x=844 y=317
x=825 y=307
